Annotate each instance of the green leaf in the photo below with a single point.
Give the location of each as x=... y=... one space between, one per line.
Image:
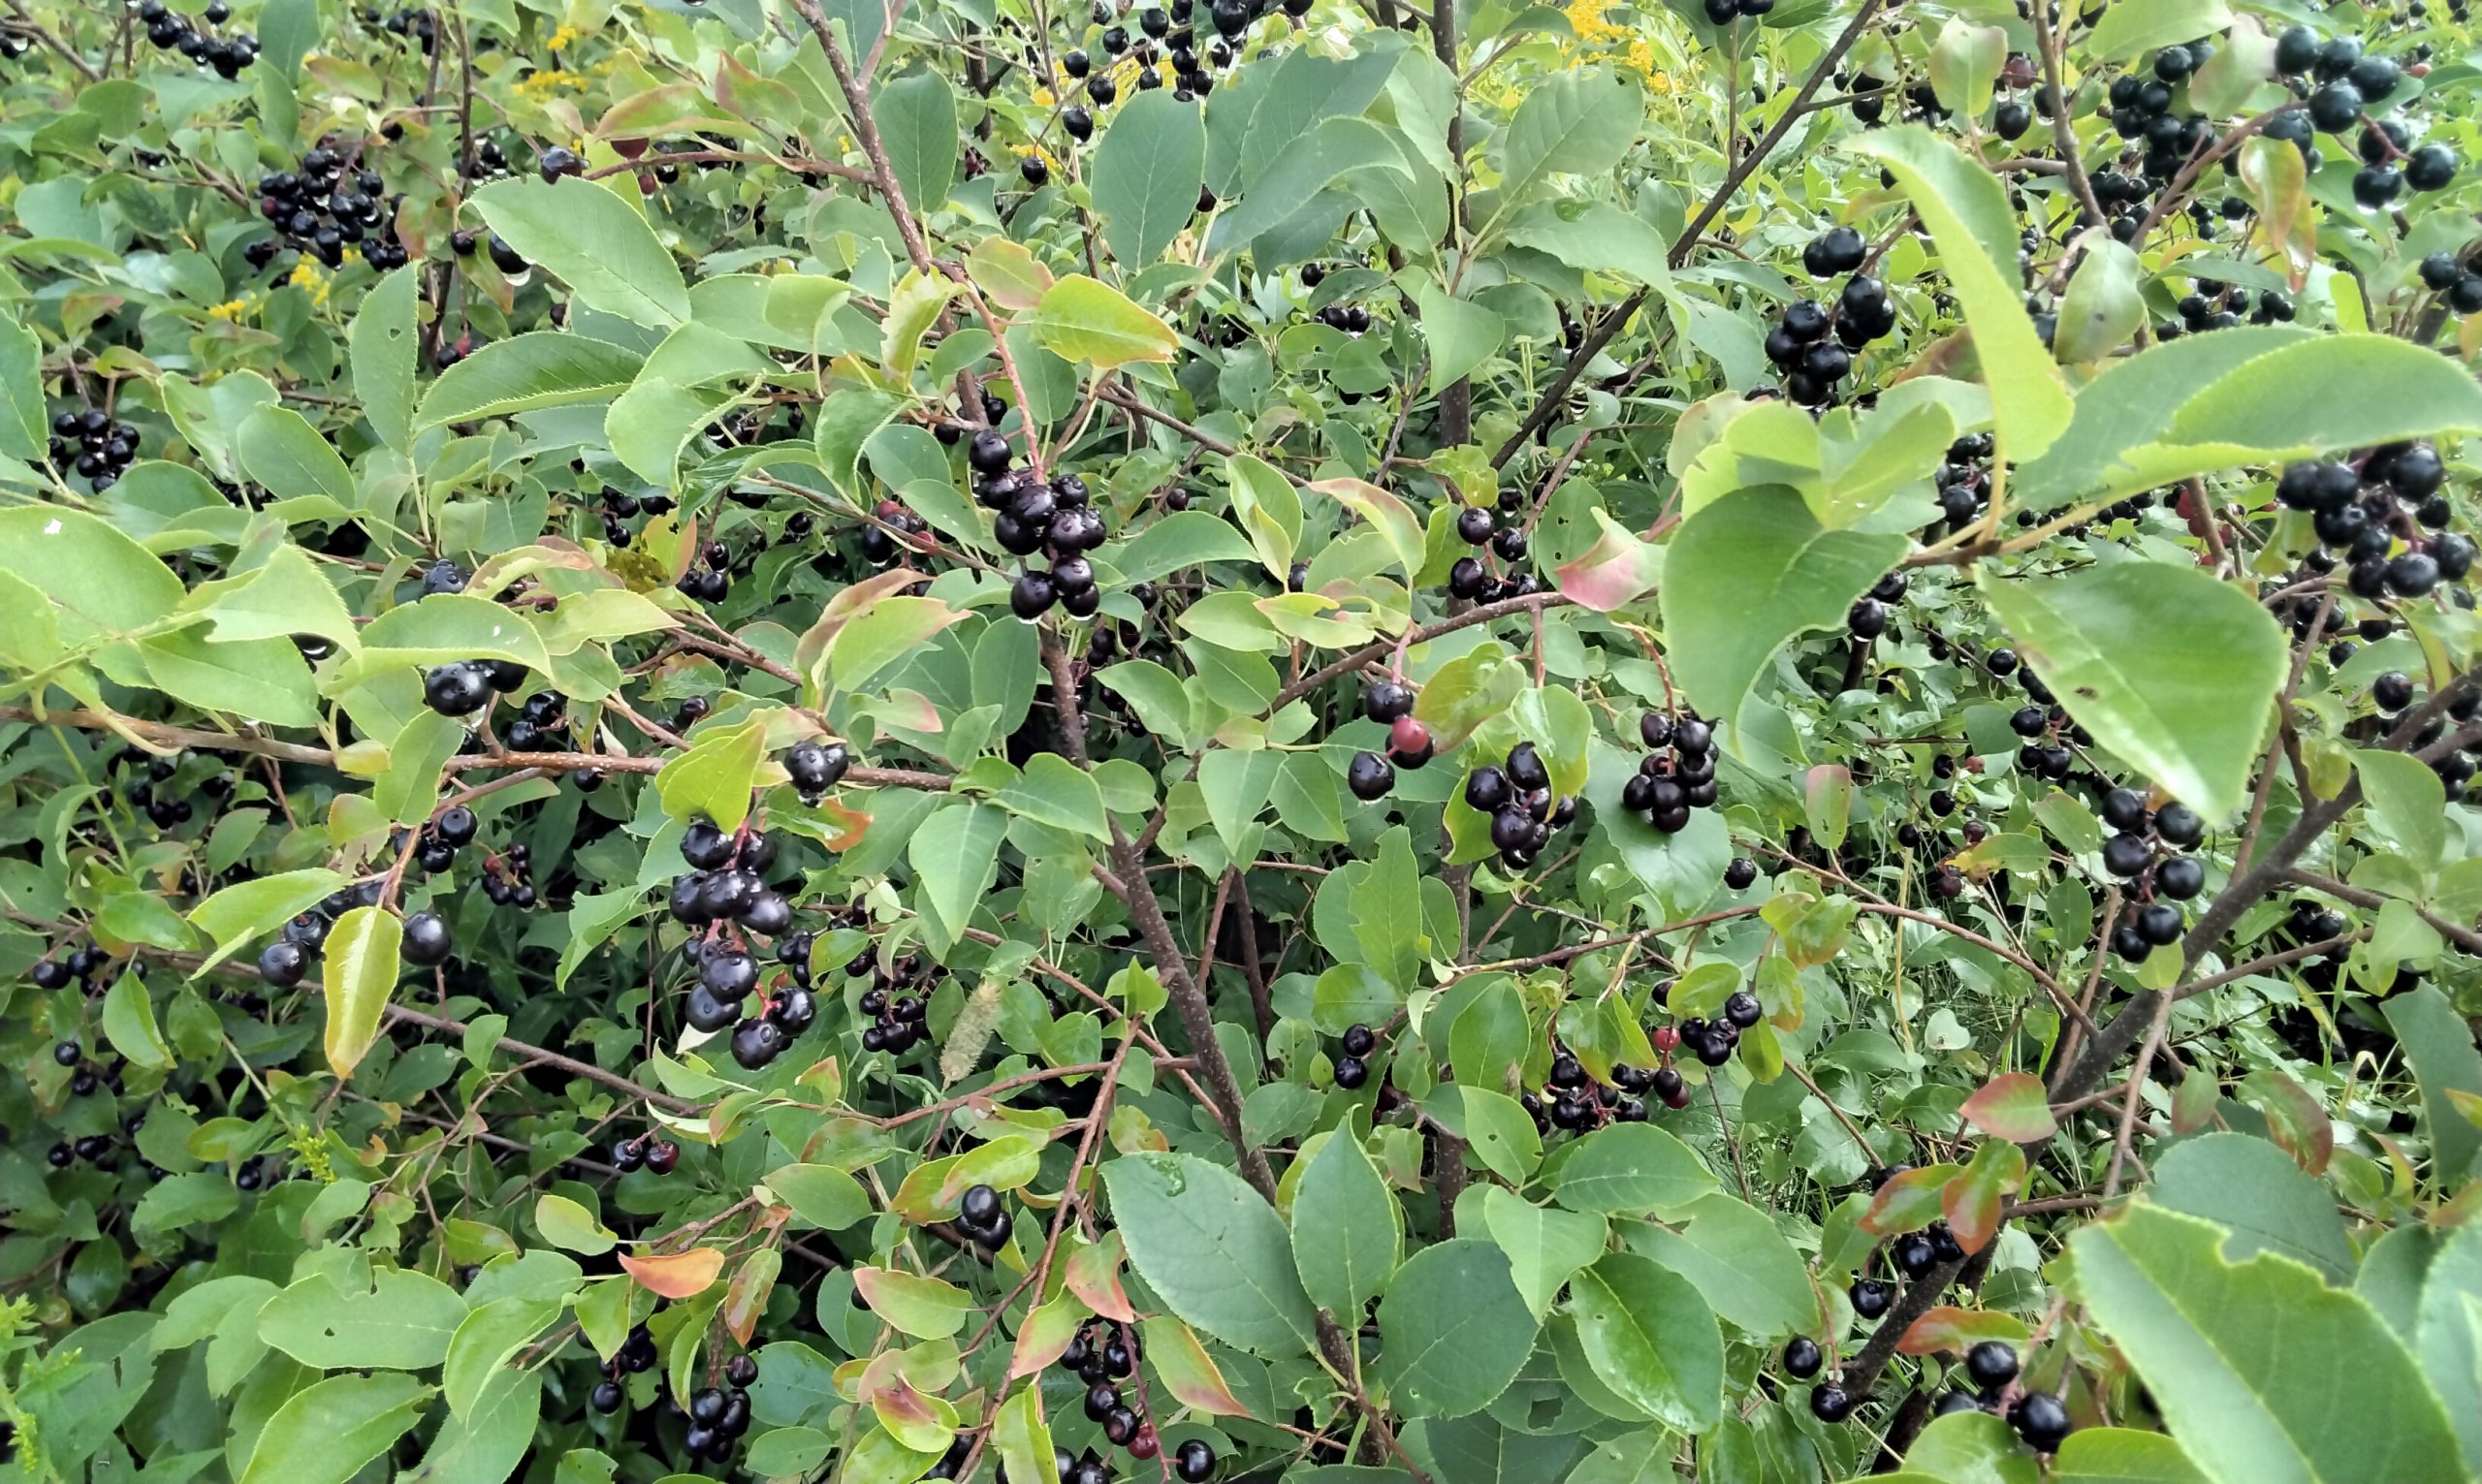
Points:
x=821 y=1194
x=1022 y=1436
x=2438 y=1044
x=2408 y=800
x=648 y=426
x=2268 y=408
x=1543 y=1244
x=1235 y=786
x=279 y=449
x=526 y=374
x=129 y=1023
x=2170 y=669
x=1736 y=1256
x=1054 y=791
x=1964 y=63
x=712 y=779
x=2244 y=1360
x=1750 y=572
x=1651 y=1339
x=1454 y=1329
x=2257 y=1190
x=847 y=420
x=1348 y=1231
x=1384 y=924
x=237 y=913
x=382 y=347
x=359 y=970
x=264 y=679
x=403 y=1322
x=569 y=1226
x=598 y=245
x=1499 y=1131
x=2130 y=405
x=24 y=427
x=1335 y=146
x=325 y=1433
x=1460 y=334
x=1628 y=1169
x=1092 y=323
x=2125 y=30
x=1393 y=520
x=1597 y=237
x=890 y=630
x=2122 y=1456
x=2103 y=308
x=1146 y=176
x=445 y=628
x=1189 y=538
x=1577 y=122
x=490 y=1336
x=925 y=1307
x=1966 y=209
x=2012 y=1106
x=917 y=120
x=955 y=855
x=101 y=582
x=289 y=594
x=486 y=1443
x=1211 y=1249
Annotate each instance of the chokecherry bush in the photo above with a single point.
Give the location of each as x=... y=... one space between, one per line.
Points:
x=871 y=740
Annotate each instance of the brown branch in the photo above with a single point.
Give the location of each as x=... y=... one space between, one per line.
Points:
x=866 y=131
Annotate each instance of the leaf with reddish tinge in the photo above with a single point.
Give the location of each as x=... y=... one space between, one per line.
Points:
x=1046 y=1334
x=1093 y=1274
x=2295 y=1120
x=1617 y=570
x=2012 y=1106
x=1972 y=1199
x=746 y=1299
x=676 y=1275
x=1187 y=1369
x=1909 y=1201
x=1395 y=521
x=1949 y=1328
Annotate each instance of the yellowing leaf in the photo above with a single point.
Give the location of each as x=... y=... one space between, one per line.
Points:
x=676 y=1275
x=1092 y=323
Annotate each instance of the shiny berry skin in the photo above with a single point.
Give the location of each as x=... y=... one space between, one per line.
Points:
x=1992 y=1364
x=1194 y=1462
x=1802 y=1358
x=1352 y=1072
x=1830 y=1403
x=1869 y=1296
x=1359 y=1041
x=2041 y=1420
x=1408 y=737
x=1386 y=701
x=1740 y=873
x=426 y=940
x=1370 y=777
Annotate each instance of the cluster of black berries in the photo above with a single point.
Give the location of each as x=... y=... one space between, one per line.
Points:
x=2445 y=274
x=1390 y=703
x=2142 y=113
x=2222 y=309
x=815 y=767
x=508 y=259
x=283 y=963
x=2131 y=854
x=2393 y=692
x=420 y=25
x=637 y=1355
x=463 y=687
x=646 y=1152
x=2046 y=752
x=1714 y=1042
x=617 y=506
x=254 y=1173
x=168 y=30
x=325 y=204
x=78 y=968
x=711 y=582
x=897 y=1017
x=1962 y=482
x=1351 y=319
x=2038 y=1417
x=880 y=542
x=91 y=442
x=2358 y=507
x=92 y=1147
x=1517 y=796
x=1867 y=619
x=508 y=876
x=1798 y=344
x=1468 y=577
x=1677 y=774
x=2340 y=81
x=164 y=808
x=719 y=1417
x=1098 y=1360
x=540 y=724
x=452 y=829
x=982 y=1215
x=87 y=1079
x=1352 y=1069
x=1723 y=12
x=1571 y=1100
x=1034 y=515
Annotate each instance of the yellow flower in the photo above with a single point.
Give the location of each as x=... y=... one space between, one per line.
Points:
x=551 y=79
x=307 y=278
x=1585 y=18
x=566 y=36
x=232 y=309
x=1044 y=98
